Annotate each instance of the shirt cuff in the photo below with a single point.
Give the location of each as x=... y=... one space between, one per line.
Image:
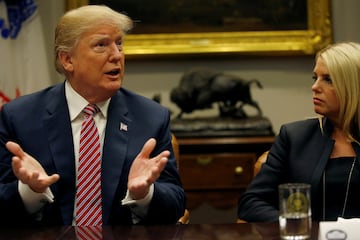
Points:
x=139 y=207
x=34 y=201
x=128 y=200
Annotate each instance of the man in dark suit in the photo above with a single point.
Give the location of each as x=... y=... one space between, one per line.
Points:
x=39 y=165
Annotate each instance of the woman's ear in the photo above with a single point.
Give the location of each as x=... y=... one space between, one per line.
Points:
x=65 y=60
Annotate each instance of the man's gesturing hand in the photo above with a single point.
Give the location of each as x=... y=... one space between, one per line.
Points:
x=28 y=170
x=145 y=170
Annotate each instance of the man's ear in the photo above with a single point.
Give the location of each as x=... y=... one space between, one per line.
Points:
x=65 y=60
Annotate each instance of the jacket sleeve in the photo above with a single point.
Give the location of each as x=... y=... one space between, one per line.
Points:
x=169 y=196
x=11 y=204
x=259 y=203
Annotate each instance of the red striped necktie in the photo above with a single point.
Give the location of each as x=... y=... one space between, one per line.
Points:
x=88 y=195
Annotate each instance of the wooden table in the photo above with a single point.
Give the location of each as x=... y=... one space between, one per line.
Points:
x=268 y=231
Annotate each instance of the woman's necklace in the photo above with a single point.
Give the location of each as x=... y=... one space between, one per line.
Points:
x=347 y=189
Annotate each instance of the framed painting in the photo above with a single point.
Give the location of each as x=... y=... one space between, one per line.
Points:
x=223 y=27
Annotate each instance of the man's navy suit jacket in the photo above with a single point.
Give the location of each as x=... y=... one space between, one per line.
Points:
x=40 y=123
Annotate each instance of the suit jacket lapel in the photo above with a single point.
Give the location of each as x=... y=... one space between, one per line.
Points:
x=114 y=151
x=56 y=121
x=327 y=145
x=58 y=126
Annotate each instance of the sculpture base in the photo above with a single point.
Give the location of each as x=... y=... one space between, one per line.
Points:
x=222 y=127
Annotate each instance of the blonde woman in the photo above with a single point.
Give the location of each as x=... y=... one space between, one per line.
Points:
x=323 y=152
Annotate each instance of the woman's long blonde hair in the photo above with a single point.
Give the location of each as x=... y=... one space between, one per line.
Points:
x=343 y=63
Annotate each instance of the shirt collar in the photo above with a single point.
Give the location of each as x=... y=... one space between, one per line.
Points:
x=78 y=102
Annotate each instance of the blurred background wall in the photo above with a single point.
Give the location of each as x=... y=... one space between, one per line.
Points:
x=286 y=95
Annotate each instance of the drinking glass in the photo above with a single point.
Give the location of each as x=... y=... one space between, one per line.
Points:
x=294 y=211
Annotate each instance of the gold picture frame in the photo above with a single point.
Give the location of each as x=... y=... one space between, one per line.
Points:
x=274 y=43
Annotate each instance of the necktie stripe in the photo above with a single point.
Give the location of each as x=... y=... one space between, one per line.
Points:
x=85 y=172
x=88 y=132
x=89 y=219
x=86 y=152
x=87 y=200
x=91 y=160
x=88 y=140
x=88 y=185
x=86 y=204
x=88 y=196
x=87 y=182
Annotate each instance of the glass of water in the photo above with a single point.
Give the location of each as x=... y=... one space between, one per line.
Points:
x=294 y=211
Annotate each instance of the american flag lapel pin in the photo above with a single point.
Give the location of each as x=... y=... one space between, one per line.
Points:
x=123 y=127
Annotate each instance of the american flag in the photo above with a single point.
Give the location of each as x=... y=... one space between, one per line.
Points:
x=24 y=67
x=123 y=127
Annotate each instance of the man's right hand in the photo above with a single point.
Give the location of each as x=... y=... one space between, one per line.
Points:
x=28 y=170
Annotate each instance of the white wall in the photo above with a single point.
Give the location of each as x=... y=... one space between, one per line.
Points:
x=287 y=81
x=50 y=11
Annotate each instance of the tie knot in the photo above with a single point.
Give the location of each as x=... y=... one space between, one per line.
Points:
x=91 y=109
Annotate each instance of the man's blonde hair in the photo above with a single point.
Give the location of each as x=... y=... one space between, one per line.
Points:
x=76 y=22
x=343 y=63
